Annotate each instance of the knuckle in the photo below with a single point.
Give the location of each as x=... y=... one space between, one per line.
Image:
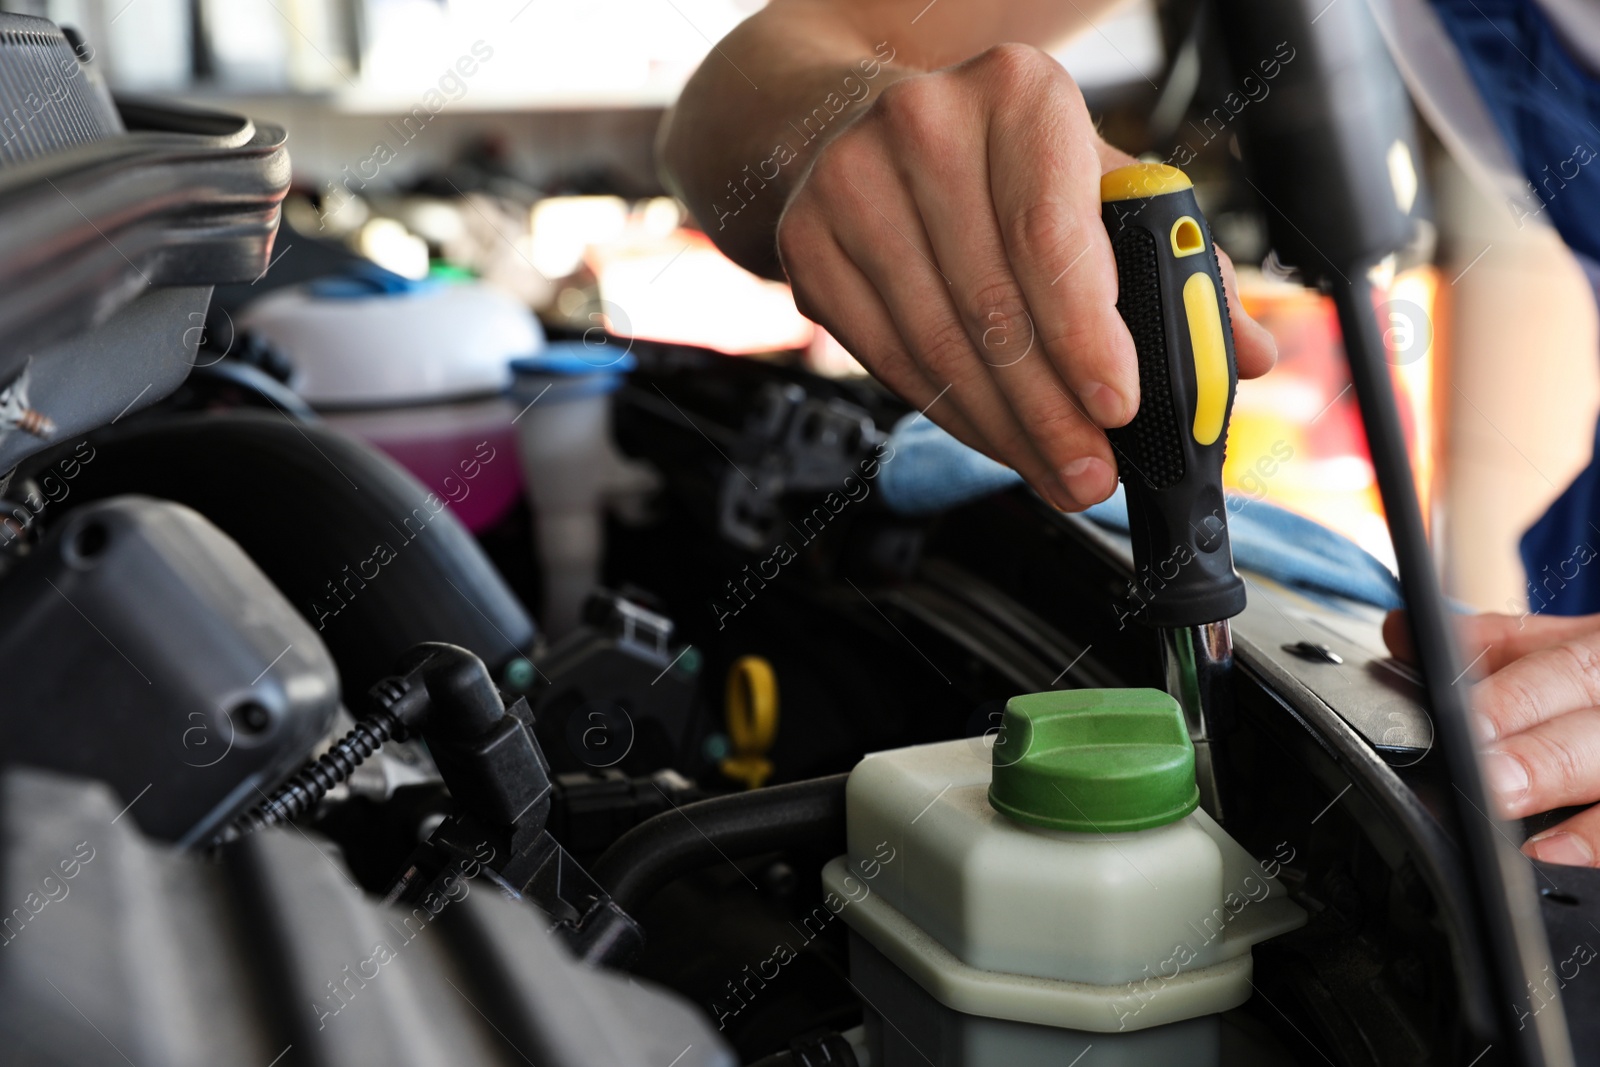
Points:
x=1582 y=664
x=1018 y=64
x=889 y=360
x=803 y=302
x=1056 y=428
x=1043 y=234
x=905 y=100
x=830 y=175
x=1554 y=769
x=917 y=114
x=1076 y=335
x=996 y=302
x=945 y=348
x=813 y=304
x=801 y=236
x=1513 y=704
x=1016 y=445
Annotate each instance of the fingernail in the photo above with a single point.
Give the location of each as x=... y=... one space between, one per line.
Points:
x=1563 y=848
x=1089 y=480
x=1485 y=728
x=1104 y=404
x=1508 y=778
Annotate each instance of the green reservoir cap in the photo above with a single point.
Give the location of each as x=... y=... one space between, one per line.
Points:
x=1094 y=760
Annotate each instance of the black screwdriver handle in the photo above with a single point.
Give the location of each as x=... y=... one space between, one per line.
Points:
x=1170 y=294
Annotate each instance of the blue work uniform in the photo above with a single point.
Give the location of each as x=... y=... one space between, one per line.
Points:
x=1546 y=103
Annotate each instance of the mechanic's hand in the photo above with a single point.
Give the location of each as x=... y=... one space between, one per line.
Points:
x=951 y=239
x=1537 y=711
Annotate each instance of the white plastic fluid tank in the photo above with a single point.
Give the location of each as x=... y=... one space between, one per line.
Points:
x=1050 y=885
x=418 y=369
x=572 y=467
x=377 y=340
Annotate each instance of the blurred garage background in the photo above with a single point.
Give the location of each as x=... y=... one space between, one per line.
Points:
x=512 y=140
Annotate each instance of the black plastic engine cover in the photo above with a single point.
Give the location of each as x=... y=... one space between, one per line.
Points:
x=102 y=201
x=116 y=951
x=142 y=647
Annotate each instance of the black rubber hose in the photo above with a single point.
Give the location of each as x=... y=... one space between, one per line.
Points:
x=255 y=382
x=310 y=506
x=678 y=842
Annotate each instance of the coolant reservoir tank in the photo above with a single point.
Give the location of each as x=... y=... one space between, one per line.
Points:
x=1049 y=887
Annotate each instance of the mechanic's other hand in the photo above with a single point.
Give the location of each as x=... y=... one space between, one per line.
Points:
x=1537 y=712
x=951 y=239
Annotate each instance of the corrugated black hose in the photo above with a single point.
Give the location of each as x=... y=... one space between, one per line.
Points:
x=389 y=719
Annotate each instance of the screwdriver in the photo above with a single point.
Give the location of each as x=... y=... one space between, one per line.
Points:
x=1169 y=456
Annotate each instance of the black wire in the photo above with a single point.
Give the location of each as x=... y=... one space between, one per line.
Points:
x=1508 y=918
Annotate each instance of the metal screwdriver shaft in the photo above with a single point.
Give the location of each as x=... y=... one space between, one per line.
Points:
x=1170 y=456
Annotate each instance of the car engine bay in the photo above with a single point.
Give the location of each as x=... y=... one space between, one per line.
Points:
x=294 y=771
